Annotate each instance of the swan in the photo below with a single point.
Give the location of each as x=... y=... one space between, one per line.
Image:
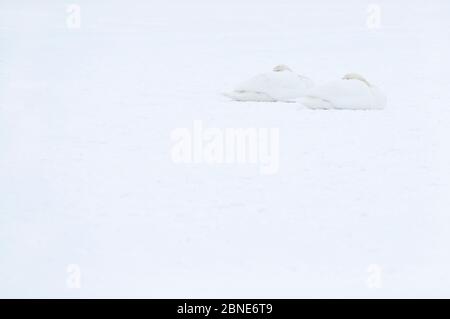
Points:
x=351 y=92
x=279 y=85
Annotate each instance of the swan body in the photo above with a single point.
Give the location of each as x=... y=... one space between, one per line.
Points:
x=351 y=92
x=279 y=85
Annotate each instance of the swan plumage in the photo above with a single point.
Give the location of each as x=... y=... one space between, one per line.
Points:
x=350 y=92
x=282 y=84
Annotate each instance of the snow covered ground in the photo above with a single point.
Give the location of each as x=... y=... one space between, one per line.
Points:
x=92 y=204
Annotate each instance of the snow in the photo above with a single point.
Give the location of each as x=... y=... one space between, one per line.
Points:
x=359 y=206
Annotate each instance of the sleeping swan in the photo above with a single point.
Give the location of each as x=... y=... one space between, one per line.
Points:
x=279 y=85
x=351 y=92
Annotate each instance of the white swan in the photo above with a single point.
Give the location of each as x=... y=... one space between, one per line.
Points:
x=351 y=92
x=279 y=85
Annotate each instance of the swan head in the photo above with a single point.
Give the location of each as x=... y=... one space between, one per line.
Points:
x=281 y=68
x=356 y=76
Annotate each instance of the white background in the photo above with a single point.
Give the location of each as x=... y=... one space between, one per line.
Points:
x=86 y=176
